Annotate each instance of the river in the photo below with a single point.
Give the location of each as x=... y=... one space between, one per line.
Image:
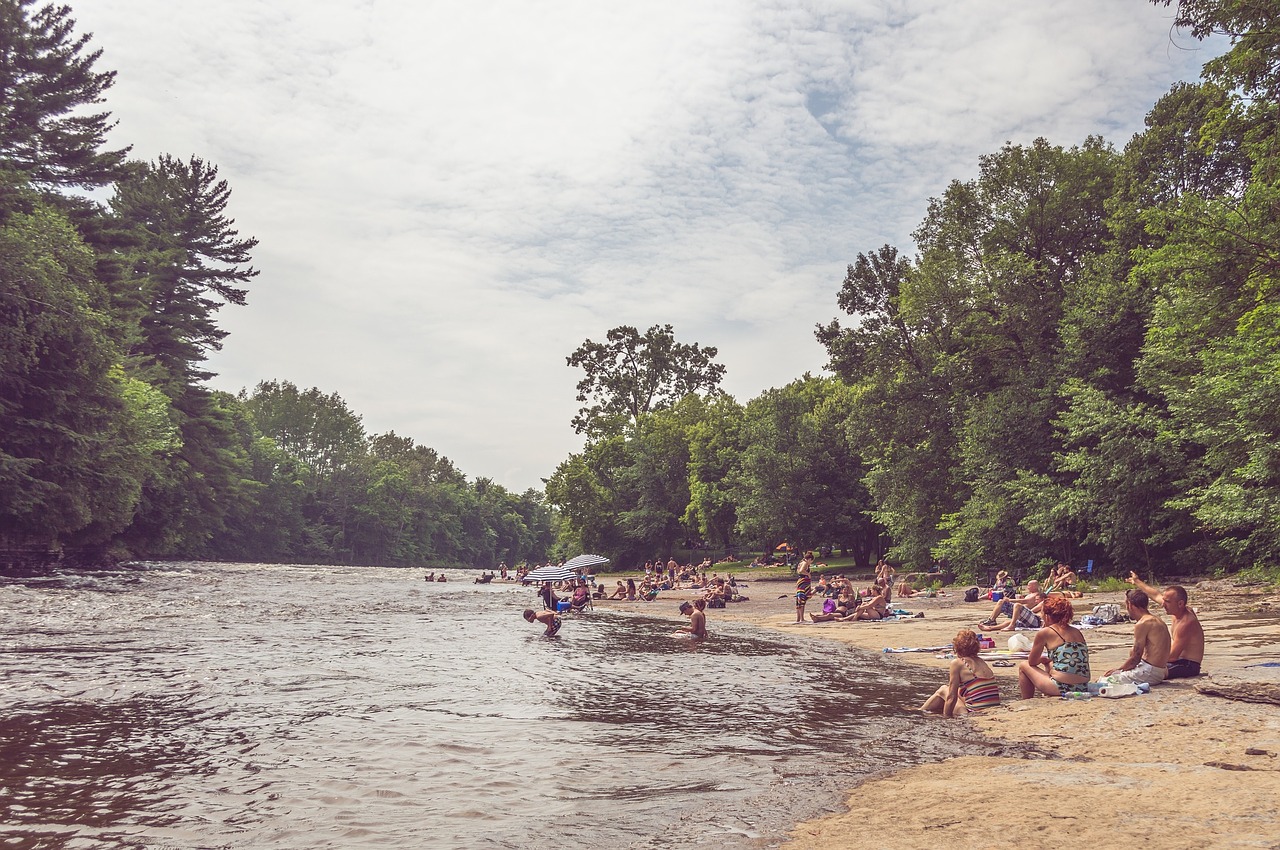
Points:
x=185 y=705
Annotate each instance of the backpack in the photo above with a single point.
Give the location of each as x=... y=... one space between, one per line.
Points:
x=971 y=595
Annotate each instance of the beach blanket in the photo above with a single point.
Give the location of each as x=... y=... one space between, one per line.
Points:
x=940 y=648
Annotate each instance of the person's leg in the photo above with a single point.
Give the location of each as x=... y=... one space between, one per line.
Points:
x=1013 y=618
x=1033 y=679
x=934 y=704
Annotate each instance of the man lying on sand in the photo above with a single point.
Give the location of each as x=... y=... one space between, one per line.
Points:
x=1186 y=652
x=1150 y=655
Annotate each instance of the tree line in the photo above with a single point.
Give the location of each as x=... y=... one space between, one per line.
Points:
x=1081 y=360
x=112 y=445
x=1078 y=359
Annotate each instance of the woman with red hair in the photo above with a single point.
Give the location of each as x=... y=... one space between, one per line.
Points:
x=972 y=684
x=1061 y=650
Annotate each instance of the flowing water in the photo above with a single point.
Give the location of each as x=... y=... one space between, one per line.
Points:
x=229 y=705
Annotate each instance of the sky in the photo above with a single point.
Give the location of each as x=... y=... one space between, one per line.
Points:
x=450 y=197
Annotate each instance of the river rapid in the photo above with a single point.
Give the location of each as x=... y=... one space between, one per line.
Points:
x=184 y=705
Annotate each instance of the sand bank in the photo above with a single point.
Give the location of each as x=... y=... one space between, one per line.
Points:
x=1175 y=768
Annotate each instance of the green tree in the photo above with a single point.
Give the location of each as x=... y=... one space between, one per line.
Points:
x=47 y=77
x=77 y=437
x=796 y=478
x=190 y=261
x=630 y=375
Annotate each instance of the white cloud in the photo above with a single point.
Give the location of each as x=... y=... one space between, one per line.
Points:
x=451 y=196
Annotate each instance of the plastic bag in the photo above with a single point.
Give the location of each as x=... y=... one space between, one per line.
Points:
x=1019 y=643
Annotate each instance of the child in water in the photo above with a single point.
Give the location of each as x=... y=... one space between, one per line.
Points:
x=552 y=622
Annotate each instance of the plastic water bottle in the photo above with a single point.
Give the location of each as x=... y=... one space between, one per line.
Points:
x=1077 y=695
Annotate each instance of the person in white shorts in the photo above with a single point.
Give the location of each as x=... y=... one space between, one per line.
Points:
x=1148 y=661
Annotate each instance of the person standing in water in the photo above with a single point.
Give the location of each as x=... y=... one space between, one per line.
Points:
x=803 y=585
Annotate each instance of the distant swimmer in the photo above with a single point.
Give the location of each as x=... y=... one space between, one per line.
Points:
x=548 y=618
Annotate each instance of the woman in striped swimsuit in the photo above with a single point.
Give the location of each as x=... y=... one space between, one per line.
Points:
x=802 y=585
x=972 y=684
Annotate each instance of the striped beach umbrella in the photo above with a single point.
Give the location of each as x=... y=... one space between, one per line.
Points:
x=585 y=561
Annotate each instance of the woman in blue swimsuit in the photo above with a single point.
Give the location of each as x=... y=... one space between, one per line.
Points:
x=1060 y=649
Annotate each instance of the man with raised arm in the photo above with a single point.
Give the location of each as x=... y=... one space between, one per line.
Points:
x=1149 y=658
x=1187 y=649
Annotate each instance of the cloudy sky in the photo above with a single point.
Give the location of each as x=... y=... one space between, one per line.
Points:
x=452 y=195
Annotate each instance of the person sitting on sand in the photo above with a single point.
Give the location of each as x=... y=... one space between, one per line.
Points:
x=1186 y=649
x=1001 y=585
x=620 y=592
x=631 y=590
x=547 y=618
x=876 y=608
x=1062 y=581
x=971 y=684
x=602 y=592
x=1149 y=658
x=1023 y=613
x=1061 y=650
x=843 y=607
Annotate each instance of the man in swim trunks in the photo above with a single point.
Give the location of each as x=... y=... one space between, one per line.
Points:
x=1186 y=651
x=1149 y=658
x=548 y=618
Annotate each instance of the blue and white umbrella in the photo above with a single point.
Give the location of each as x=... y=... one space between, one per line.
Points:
x=551 y=573
x=585 y=561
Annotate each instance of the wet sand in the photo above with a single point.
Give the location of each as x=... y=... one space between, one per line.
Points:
x=1177 y=768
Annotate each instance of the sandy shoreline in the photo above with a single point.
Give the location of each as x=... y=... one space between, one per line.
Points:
x=1175 y=768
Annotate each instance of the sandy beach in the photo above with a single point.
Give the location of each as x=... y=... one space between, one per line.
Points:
x=1183 y=766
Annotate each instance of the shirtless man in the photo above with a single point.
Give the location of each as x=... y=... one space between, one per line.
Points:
x=1186 y=652
x=1149 y=658
x=697 y=628
x=1023 y=614
x=549 y=618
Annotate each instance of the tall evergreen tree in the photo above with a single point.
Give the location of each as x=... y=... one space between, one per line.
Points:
x=191 y=260
x=47 y=76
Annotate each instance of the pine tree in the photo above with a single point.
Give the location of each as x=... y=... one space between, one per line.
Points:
x=47 y=76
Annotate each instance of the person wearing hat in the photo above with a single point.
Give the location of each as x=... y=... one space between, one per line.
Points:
x=697 y=628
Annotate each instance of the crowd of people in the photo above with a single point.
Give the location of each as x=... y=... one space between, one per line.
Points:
x=1057 y=663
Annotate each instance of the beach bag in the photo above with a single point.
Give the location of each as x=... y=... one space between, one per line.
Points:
x=1107 y=613
x=971 y=595
x=828 y=606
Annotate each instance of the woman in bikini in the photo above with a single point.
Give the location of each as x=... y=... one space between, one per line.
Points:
x=970 y=687
x=1060 y=649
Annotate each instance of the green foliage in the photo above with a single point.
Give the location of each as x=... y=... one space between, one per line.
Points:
x=630 y=375
x=46 y=80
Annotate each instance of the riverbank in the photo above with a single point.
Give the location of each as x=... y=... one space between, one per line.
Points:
x=1177 y=768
